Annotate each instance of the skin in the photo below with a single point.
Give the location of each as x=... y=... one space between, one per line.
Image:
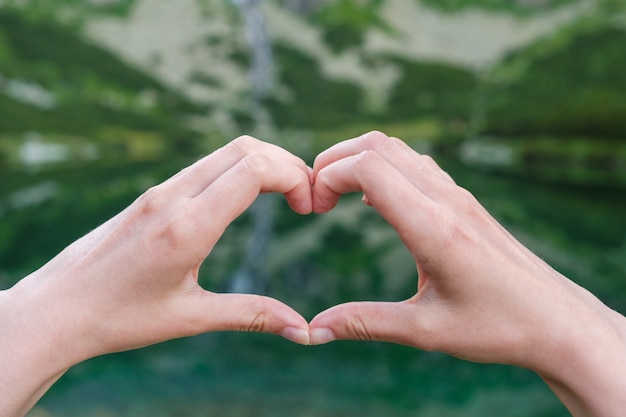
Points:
x=481 y=295
x=133 y=281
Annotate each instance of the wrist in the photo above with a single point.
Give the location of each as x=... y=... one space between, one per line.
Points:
x=41 y=331
x=29 y=362
x=584 y=358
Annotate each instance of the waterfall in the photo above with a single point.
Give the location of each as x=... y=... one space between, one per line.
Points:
x=251 y=276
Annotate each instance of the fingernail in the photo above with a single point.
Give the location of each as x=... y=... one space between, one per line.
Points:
x=320 y=336
x=296 y=335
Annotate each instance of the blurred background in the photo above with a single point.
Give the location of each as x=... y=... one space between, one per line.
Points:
x=522 y=101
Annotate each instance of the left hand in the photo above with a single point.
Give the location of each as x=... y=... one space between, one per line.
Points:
x=133 y=281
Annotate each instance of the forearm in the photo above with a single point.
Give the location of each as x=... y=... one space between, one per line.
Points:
x=20 y=396
x=30 y=359
x=588 y=372
x=596 y=388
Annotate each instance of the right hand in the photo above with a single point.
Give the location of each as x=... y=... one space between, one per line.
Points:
x=481 y=295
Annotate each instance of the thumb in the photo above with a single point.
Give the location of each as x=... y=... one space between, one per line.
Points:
x=248 y=313
x=377 y=321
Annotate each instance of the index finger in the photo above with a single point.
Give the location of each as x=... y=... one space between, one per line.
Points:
x=420 y=169
x=405 y=207
x=197 y=177
x=234 y=191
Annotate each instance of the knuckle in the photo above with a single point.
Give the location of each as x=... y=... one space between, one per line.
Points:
x=255 y=315
x=429 y=160
x=392 y=140
x=466 y=196
x=367 y=159
x=375 y=139
x=357 y=327
x=380 y=142
x=244 y=144
x=466 y=202
x=368 y=165
x=374 y=135
x=256 y=165
x=455 y=235
x=174 y=233
x=167 y=222
x=260 y=323
x=151 y=201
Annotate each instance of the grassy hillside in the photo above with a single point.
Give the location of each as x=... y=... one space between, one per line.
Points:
x=572 y=84
x=514 y=6
x=83 y=90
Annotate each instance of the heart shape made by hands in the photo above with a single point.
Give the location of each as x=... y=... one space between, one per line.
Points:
x=455 y=244
x=481 y=295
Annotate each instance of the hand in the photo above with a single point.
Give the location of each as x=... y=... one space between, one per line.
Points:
x=481 y=295
x=133 y=281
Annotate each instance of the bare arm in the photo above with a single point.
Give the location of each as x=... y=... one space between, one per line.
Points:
x=133 y=281
x=481 y=295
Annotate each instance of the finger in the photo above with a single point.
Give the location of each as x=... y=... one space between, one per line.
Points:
x=393 y=149
x=353 y=173
x=345 y=149
x=419 y=221
x=245 y=312
x=258 y=173
x=376 y=321
x=429 y=162
x=424 y=173
x=235 y=190
x=421 y=170
x=384 y=187
x=434 y=182
x=197 y=177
